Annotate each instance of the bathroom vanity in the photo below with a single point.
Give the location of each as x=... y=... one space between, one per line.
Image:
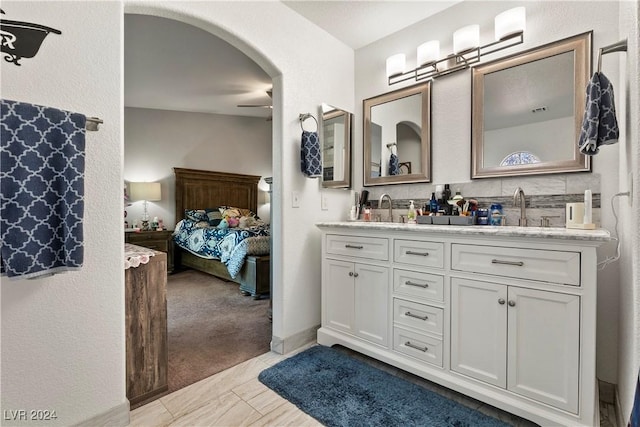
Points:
x=506 y=315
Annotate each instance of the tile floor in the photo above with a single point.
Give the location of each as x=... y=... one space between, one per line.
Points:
x=235 y=397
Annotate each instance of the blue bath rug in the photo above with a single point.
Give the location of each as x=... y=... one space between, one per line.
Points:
x=339 y=390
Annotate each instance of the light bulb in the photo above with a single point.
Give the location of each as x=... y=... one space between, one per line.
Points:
x=395 y=64
x=510 y=22
x=428 y=52
x=466 y=38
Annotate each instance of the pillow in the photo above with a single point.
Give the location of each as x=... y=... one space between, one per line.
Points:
x=195 y=215
x=234 y=212
x=213 y=216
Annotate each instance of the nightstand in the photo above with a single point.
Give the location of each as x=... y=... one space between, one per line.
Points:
x=157 y=240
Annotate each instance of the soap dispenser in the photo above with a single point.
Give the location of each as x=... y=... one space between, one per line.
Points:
x=411 y=215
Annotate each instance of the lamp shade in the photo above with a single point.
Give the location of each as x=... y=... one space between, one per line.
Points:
x=428 y=52
x=510 y=22
x=149 y=191
x=395 y=64
x=466 y=38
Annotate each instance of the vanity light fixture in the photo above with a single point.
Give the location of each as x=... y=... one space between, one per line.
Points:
x=509 y=31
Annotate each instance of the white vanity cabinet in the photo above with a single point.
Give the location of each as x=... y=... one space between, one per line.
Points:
x=354 y=286
x=524 y=340
x=506 y=315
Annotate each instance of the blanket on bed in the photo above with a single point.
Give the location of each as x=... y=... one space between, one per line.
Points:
x=217 y=243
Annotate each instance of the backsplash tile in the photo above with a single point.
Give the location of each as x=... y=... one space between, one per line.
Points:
x=544 y=196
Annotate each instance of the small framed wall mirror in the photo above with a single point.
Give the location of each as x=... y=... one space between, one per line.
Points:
x=336 y=147
x=527 y=111
x=397 y=136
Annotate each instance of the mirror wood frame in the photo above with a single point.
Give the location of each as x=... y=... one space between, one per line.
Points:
x=581 y=46
x=425 y=134
x=336 y=112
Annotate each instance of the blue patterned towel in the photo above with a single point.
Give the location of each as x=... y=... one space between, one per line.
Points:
x=394 y=165
x=599 y=124
x=310 y=160
x=634 y=418
x=42 y=189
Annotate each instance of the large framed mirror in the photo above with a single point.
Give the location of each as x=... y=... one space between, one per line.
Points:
x=397 y=136
x=336 y=147
x=527 y=111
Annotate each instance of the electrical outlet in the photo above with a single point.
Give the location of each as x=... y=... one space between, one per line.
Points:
x=630 y=187
x=324 y=205
x=295 y=199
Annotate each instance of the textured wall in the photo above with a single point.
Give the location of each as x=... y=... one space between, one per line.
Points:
x=156 y=141
x=628 y=306
x=451 y=120
x=63 y=336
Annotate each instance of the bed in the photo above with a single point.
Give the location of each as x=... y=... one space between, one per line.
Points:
x=206 y=190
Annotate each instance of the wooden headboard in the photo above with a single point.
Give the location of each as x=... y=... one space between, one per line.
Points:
x=198 y=189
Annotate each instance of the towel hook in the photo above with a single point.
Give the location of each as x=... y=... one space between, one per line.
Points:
x=304 y=117
x=620 y=46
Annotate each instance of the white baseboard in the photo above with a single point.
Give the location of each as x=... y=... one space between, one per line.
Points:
x=118 y=416
x=288 y=344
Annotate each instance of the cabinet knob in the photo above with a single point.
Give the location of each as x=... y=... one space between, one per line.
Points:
x=351 y=273
x=501 y=301
x=512 y=303
x=355 y=274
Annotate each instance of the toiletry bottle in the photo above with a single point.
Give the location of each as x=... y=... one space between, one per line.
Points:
x=446 y=196
x=353 y=214
x=411 y=215
x=367 y=213
x=433 y=204
x=495 y=214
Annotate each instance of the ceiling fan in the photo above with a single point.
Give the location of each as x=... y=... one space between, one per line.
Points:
x=269 y=105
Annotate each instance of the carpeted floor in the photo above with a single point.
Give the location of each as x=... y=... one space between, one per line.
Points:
x=211 y=327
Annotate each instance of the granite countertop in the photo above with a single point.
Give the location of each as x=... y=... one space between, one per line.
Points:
x=599 y=234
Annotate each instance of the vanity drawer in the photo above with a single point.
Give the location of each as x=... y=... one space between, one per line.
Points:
x=419 y=285
x=533 y=264
x=361 y=247
x=423 y=318
x=423 y=254
x=423 y=347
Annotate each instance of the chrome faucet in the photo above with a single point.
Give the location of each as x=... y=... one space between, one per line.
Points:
x=388 y=197
x=518 y=198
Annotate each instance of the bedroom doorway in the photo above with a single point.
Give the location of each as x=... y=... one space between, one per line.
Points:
x=211 y=325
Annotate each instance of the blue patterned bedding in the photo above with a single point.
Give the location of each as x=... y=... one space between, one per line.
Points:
x=215 y=243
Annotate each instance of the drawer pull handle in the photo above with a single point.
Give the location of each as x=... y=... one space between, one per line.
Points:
x=423 y=349
x=353 y=246
x=417 y=253
x=419 y=285
x=499 y=261
x=410 y=314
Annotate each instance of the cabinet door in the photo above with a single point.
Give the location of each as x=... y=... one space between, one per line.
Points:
x=339 y=294
x=544 y=337
x=372 y=303
x=479 y=330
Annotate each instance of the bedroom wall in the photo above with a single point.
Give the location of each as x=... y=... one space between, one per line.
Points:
x=156 y=141
x=451 y=120
x=62 y=337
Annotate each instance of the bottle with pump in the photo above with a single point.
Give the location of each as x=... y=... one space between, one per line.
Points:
x=433 y=204
x=411 y=215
